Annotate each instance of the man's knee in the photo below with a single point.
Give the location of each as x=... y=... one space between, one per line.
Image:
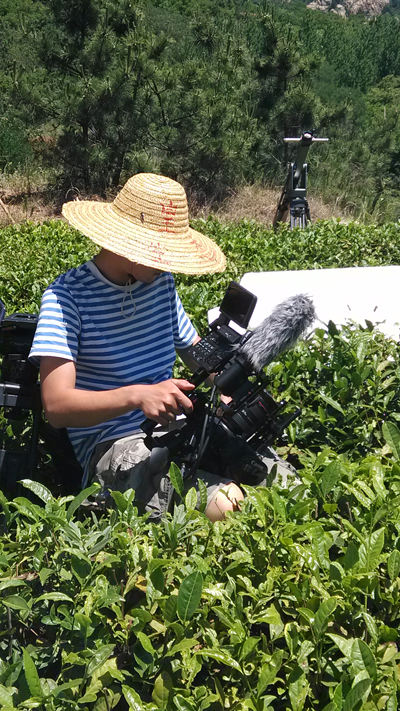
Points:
x=227 y=498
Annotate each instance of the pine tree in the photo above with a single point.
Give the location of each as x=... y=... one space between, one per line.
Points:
x=93 y=60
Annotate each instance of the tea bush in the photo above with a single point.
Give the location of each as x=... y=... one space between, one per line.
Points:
x=347 y=383
x=292 y=602
x=32 y=255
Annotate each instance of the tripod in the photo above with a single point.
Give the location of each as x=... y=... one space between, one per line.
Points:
x=293 y=197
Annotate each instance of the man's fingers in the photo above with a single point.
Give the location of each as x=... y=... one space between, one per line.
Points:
x=165 y=419
x=165 y=400
x=182 y=384
x=184 y=404
x=182 y=401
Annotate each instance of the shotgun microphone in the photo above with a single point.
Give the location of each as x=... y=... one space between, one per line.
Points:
x=278 y=332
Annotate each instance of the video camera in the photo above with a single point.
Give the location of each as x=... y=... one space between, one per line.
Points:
x=16 y=334
x=230 y=439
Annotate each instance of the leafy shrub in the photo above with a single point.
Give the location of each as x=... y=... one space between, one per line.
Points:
x=291 y=603
x=14 y=147
x=32 y=255
x=250 y=247
x=347 y=383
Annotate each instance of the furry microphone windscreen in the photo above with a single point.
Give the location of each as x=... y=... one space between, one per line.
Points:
x=279 y=331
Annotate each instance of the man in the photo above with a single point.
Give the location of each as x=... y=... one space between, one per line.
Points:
x=108 y=333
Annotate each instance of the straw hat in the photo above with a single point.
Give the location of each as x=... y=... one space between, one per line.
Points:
x=148 y=223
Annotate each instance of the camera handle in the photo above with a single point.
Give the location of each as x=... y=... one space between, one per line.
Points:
x=148 y=425
x=190 y=441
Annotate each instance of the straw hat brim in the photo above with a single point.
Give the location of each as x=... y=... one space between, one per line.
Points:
x=189 y=252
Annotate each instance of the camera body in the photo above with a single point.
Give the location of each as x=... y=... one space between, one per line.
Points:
x=227 y=438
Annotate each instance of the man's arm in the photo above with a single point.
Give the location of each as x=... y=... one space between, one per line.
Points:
x=67 y=406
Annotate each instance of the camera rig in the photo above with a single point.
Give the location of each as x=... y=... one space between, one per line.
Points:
x=19 y=393
x=228 y=438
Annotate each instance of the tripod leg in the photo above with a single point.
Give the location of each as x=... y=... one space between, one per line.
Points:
x=308 y=214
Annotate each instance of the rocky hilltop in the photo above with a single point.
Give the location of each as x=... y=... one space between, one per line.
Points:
x=349 y=7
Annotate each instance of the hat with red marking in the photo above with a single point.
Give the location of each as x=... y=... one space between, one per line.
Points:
x=148 y=223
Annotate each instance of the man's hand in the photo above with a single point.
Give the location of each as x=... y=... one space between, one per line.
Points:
x=163 y=401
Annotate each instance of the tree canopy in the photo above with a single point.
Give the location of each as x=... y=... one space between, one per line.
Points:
x=204 y=92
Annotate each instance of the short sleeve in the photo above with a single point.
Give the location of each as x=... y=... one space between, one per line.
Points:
x=59 y=325
x=183 y=329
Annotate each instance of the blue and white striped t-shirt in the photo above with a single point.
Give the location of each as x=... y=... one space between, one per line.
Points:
x=116 y=335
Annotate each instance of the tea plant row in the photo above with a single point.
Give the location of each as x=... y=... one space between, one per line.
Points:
x=293 y=602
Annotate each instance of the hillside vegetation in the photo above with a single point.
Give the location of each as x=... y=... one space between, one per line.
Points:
x=94 y=91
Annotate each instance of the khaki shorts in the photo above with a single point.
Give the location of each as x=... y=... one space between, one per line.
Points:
x=128 y=464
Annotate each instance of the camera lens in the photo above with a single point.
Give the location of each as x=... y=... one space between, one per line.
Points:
x=247 y=421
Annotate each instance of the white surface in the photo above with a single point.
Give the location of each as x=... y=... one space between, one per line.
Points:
x=340 y=295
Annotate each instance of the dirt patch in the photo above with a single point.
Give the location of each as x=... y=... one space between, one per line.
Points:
x=18 y=208
x=253 y=202
x=26 y=197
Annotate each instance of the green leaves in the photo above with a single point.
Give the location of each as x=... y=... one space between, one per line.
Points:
x=221 y=656
x=31 y=675
x=15 y=602
x=363 y=658
x=6 y=697
x=330 y=477
x=189 y=596
x=369 y=552
x=80 y=498
x=391 y=434
x=163 y=687
x=260 y=601
x=356 y=694
x=298 y=689
x=269 y=672
x=41 y=491
x=330 y=401
x=176 y=479
x=132 y=698
x=323 y=616
x=295 y=598
x=99 y=658
x=394 y=564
